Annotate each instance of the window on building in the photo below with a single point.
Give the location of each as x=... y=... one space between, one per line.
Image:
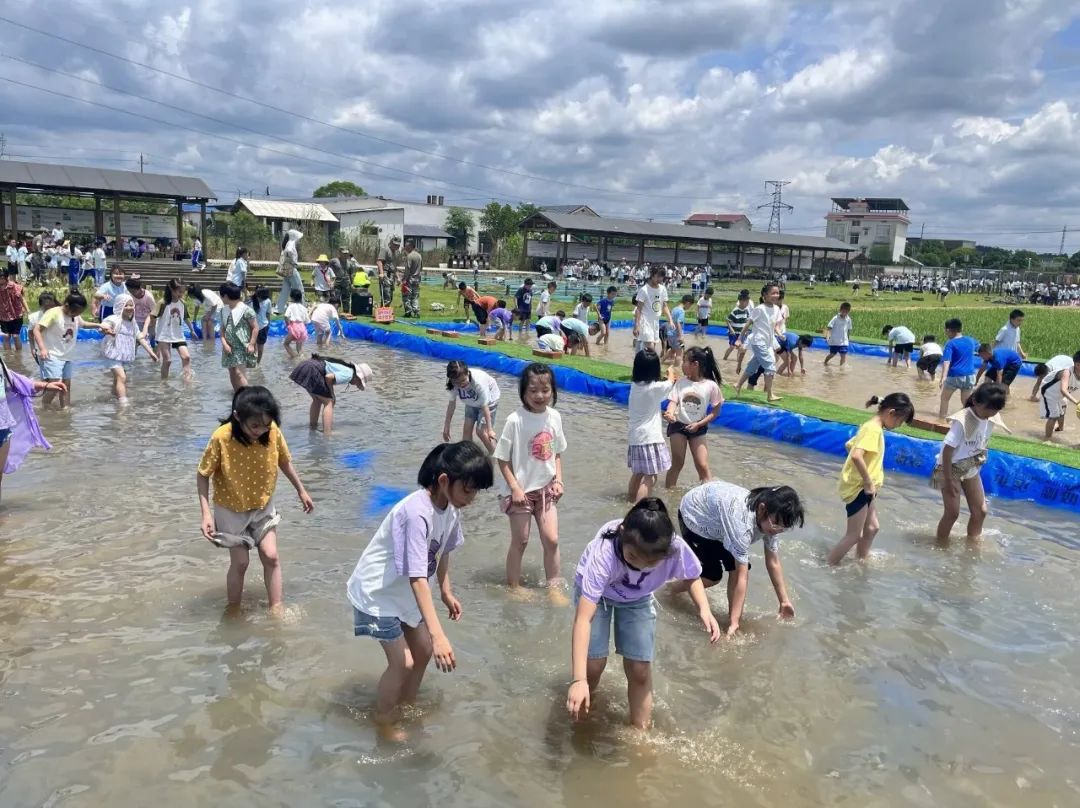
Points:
x=883 y=231
x=854 y=238
x=856 y=222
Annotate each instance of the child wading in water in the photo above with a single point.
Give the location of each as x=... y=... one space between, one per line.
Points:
x=318 y=376
x=480 y=394
x=391 y=588
x=260 y=304
x=296 y=320
x=19 y=430
x=647 y=452
x=688 y=413
x=529 y=452
x=169 y=329
x=239 y=330
x=243 y=458
x=863 y=473
x=209 y=303
x=962 y=455
x=122 y=335
x=621 y=567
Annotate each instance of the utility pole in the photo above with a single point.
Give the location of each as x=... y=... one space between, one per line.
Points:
x=3 y=143
x=777 y=206
x=141 y=163
x=1061 y=249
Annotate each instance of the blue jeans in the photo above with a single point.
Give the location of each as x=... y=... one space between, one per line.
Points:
x=383 y=629
x=635 y=628
x=288 y=283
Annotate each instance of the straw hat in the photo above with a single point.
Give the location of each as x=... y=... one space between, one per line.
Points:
x=322 y=259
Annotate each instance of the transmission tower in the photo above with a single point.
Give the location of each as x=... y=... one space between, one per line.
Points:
x=777 y=206
x=1061 y=249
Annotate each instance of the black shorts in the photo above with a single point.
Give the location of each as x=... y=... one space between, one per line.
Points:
x=712 y=553
x=679 y=428
x=861 y=501
x=929 y=363
x=264 y=332
x=703 y=322
x=181 y=344
x=1008 y=375
x=904 y=348
x=542 y=330
x=480 y=312
x=11 y=327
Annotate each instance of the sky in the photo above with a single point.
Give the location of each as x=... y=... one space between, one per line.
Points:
x=966 y=109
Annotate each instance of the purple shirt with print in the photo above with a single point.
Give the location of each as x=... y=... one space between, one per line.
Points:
x=601 y=573
x=417 y=537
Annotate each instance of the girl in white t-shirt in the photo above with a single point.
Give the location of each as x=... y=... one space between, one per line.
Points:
x=480 y=394
x=322 y=315
x=209 y=303
x=688 y=412
x=529 y=453
x=963 y=454
x=169 y=329
x=390 y=589
x=122 y=337
x=647 y=452
x=759 y=335
x=296 y=320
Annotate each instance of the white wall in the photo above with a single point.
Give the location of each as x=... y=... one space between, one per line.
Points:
x=391 y=221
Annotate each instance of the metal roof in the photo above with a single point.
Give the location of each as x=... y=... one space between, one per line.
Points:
x=425 y=231
x=632 y=228
x=717 y=217
x=873 y=202
x=50 y=178
x=580 y=209
x=293 y=211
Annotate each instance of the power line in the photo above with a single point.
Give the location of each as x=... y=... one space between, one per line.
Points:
x=777 y=206
x=356 y=132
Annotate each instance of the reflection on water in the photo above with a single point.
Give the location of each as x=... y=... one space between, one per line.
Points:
x=927 y=676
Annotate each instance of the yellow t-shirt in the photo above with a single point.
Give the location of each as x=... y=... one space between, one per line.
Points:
x=243 y=476
x=871 y=439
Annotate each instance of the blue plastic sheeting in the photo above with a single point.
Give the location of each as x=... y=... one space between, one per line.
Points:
x=381 y=498
x=1004 y=475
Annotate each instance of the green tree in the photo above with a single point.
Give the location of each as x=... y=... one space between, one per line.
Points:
x=964 y=256
x=499 y=222
x=339 y=188
x=1025 y=259
x=247 y=231
x=1074 y=260
x=881 y=254
x=459 y=224
x=996 y=257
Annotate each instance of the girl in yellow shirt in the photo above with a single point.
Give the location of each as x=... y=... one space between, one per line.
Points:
x=864 y=473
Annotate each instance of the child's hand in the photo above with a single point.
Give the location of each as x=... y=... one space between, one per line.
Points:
x=154 y=357
x=453 y=606
x=557 y=489
x=490 y=435
x=517 y=496
x=226 y=348
x=732 y=629
x=577 y=700
x=711 y=626
x=251 y=347
x=208 y=527
x=443 y=653
x=305 y=501
x=446 y=435
x=787 y=611
x=869 y=489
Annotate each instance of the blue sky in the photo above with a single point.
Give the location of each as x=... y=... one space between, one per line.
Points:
x=966 y=109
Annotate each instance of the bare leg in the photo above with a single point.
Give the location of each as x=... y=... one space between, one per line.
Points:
x=185 y=361
x=165 y=355
x=388 y=693
x=852 y=534
x=520 y=524
x=950 y=498
x=419 y=640
x=769 y=378
x=314 y=411
x=268 y=554
x=946 y=397
x=328 y=416
x=237 y=378
x=976 y=499
x=870 y=530
x=639 y=692
x=594 y=669
x=699 y=451
x=3 y=461
x=234 y=579
x=678 y=457
x=547 y=521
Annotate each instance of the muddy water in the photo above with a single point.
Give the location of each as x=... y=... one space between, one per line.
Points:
x=929 y=676
x=861 y=377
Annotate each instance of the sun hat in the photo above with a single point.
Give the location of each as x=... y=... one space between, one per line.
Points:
x=322 y=259
x=363 y=374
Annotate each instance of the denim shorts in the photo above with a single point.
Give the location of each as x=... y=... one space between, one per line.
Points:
x=5 y=436
x=837 y=349
x=635 y=628
x=960 y=382
x=476 y=415
x=55 y=369
x=383 y=629
x=763 y=359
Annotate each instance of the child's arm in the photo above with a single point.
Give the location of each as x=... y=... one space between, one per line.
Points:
x=253 y=327
x=1034 y=390
x=517 y=496
x=776 y=575
x=979 y=375
x=697 y=594
x=145 y=343
x=557 y=489
x=485 y=410
x=712 y=416
x=638 y=307
x=943 y=372
x=440 y=645
x=207 y=522
x=738 y=597
x=577 y=697
x=747 y=327
x=452 y=604
x=802 y=364
x=91 y=326
x=449 y=417
x=1065 y=386
x=858 y=460
x=289 y=471
x=44 y=353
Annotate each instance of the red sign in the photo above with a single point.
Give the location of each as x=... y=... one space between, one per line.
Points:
x=384 y=314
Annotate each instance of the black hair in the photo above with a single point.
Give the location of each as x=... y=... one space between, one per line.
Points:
x=954 y=324
x=1076 y=357
x=230 y=291
x=296 y=295
x=708 y=290
x=611 y=289
x=1041 y=370
x=929 y=338
x=462 y=286
x=845 y=305
x=885 y=329
x=782 y=293
x=586 y=297
x=173 y=291
x=986 y=347
x=336 y=361
x=764 y=290
x=991 y=395
x=646 y=366
x=654 y=271
x=744 y=294
x=462 y=462
x=782 y=505
x=527 y=282
x=195 y=292
x=894 y=401
x=75 y=300
x=241 y=252
x=46 y=297
x=806 y=340
x=687 y=299
x=261 y=293
x=334 y=298
x=133 y=284
x=706 y=361
x=1015 y=313
x=285 y=241
x=454 y=368
x=560 y=314
x=248 y=402
x=537 y=369
x=500 y=304
x=647 y=527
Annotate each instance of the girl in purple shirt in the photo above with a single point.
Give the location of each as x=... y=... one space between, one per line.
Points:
x=620 y=569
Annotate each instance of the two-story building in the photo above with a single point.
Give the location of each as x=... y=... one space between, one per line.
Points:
x=868 y=223
x=725 y=221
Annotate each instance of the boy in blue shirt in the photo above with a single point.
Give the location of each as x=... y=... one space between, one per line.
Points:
x=604 y=307
x=999 y=365
x=957 y=366
x=523 y=306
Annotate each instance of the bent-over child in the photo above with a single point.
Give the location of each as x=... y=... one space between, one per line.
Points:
x=480 y=394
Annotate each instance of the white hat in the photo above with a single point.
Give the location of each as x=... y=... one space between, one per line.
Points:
x=363 y=375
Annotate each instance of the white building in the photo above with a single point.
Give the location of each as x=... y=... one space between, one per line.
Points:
x=422 y=222
x=868 y=223
x=725 y=221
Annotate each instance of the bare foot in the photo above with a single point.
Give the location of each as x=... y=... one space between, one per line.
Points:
x=391 y=731
x=277 y=610
x=773 y=399
x=520 y=593
x=556 y=597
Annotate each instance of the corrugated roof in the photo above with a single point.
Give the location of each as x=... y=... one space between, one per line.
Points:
x=577 y=209
x=425 y=231
x=83 y=179
x=717 y=217
x=632 y=228
x=873 y=202
x=293 y=211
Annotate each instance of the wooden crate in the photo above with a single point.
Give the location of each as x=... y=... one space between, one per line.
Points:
x=486 y=341
x=547 y=354
x=930 y=426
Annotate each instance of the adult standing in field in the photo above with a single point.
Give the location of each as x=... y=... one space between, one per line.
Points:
x=411 y=276
x=289 y=269
x=344 y=267
x=387 y=265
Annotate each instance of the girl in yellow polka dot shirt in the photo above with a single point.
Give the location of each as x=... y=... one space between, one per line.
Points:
x=243 y=458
